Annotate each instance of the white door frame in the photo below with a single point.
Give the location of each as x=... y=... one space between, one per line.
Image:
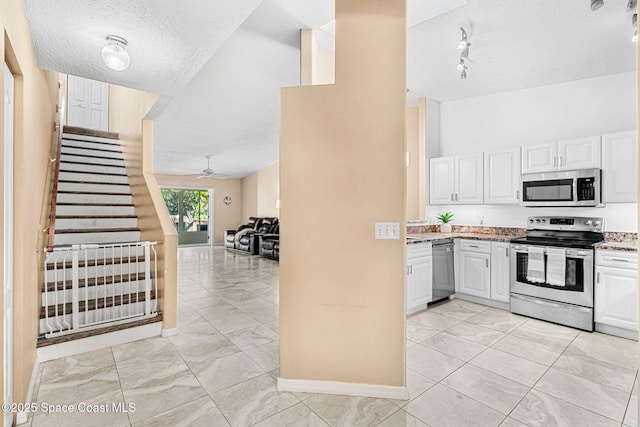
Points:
x=9 y=102
x=211 y=190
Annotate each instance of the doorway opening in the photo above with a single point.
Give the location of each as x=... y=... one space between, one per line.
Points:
x=190 y=212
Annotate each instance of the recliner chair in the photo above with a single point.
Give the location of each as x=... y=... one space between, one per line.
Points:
x=230 y=235
x=249 y=239
x=270 y=244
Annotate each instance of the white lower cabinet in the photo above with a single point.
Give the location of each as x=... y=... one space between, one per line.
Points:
x=474 y=268
x=419 y=276
x=500 y=272
x=616 y=293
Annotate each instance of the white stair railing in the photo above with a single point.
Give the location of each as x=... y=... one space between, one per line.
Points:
x=92 y=286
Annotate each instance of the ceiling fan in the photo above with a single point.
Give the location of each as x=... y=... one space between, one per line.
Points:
x=210 y=173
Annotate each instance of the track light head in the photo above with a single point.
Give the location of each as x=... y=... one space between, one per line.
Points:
x=464 y=42
x=463 y=75
x=596 y=4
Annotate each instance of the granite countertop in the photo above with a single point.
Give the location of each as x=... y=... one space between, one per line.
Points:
x=618 y=246
x=430 y=237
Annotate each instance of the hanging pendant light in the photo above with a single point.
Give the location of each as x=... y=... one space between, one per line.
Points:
x=114 y=54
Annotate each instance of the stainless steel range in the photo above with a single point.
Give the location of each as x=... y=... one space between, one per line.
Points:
x=552 y=270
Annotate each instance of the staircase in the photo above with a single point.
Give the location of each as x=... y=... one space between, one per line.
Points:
x=97 y=271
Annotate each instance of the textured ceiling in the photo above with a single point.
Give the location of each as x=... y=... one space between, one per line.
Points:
x=220 y=64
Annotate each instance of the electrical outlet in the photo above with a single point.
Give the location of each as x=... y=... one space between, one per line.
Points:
x=387 y=230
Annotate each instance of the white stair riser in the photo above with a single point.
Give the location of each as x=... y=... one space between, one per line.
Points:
x=92 y=160
x=90 y=152
x=93 y=188
x=95 y=271
x=93 y=292
x=79 y=238
x=92 y=168
x=95 y=315
x=74 y=137
x=93 y=198
x=94 y=210
x=67 y=224
x=111 y=252
x=79 y=176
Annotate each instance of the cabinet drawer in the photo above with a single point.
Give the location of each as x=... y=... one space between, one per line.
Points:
x=417 y=250
x=475 y=246
x=617 y=259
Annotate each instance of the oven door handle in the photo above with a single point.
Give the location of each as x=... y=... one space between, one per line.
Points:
x=569 y=252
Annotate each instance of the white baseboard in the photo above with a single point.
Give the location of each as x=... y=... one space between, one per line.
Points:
x=484 y=301
x=619 y=332
x=169 y=332
x=350 y=389
x=83 y=345
x=22 y=417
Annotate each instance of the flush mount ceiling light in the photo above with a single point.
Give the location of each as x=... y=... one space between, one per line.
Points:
x=114 y=54
x=464 y=42
x=596 y=4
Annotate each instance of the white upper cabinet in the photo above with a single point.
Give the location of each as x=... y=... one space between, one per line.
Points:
x=502 y=176
x=456 y=180
x=619 y=168
x=469 y=177
x=441 y=180
x=571 y=154
x=540 y=158
x=580 y=153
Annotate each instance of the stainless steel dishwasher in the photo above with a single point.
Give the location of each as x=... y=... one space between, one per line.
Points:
x=443 y=280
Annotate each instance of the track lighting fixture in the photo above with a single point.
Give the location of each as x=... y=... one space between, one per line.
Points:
x=596 y=4
x=631 y=5
x=464 y=42
x=634 y=22
x=463 y=45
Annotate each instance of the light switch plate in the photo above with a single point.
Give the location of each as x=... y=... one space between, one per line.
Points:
x=387 y=230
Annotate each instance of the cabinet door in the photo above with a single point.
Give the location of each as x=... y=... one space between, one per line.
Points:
x=580 y=153
x=474 y=274
x=539 y=158
x=441 y=180
x=502 y=177
x=500 y=272
x=619 y=167
x=418 y=283
x=469 y=179
x=616 y=297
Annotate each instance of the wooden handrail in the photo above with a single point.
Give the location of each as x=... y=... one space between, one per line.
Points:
x=54 y=190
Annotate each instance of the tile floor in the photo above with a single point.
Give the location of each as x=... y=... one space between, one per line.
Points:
x=468 y=365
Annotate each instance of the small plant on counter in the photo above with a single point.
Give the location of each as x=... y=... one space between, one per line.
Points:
x=445 y=218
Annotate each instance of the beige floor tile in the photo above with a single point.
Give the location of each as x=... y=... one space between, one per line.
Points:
x=443 y=407
x=631 y=415
x=539 y=409
x=434 y=320
x=226 y=371
x=458 y=309
x=252 y=401
x=252 y=336
x=595 y=397
x=201 y=354
x=431 y=363
x=79 y=386
x=618 y=351
x=596 y=370
x=136 y=348
x=510 y=422
x=195 y=332
x=416 y=385
x=137 y=370
x=497 y=320
x=77 y=364
x=297 y=416
x=402 y=419
x=548 y=334
x=454 y=346
x=267 y=356
x=509 y=366
x=417 y=332
x=475 y=333
x=350 y=410
x=527 y=349
x=488 y=388
x=199 y=413
x=87 y=412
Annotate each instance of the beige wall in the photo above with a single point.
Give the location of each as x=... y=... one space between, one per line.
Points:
x=127 y=108
x=260 y=191
x=342 y=168
x=225 y=217
x=35 y=97
x=416 y=170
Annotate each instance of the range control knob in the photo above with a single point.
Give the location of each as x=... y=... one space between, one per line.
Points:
x=596 y=223
x=544 y=221
x=530 y=221
x=537 y=221
x=588 y=222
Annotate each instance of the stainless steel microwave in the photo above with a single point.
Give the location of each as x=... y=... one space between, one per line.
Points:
x=569 y=188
